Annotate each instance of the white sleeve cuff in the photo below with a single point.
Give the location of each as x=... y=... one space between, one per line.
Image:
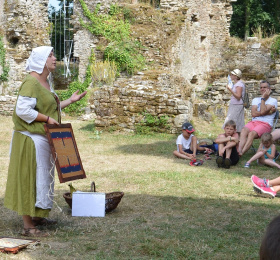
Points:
x=25 y=109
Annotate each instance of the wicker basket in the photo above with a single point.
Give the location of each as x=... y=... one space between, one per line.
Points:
x=112 y=199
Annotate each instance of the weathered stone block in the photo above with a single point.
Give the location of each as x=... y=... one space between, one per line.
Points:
x=273 y=80
x=180 y=119
x=206 y=116
x=183 y=109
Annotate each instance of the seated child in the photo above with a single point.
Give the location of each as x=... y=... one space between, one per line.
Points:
x=266 y=152
x=228 y=142
x=266 y=187
x=186 y=142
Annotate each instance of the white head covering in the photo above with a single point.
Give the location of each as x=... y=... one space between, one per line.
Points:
x=38 y=58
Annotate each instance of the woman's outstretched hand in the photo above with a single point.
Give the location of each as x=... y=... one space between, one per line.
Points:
x=76 y=97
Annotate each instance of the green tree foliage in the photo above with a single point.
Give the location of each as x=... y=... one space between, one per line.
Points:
x=249 y=15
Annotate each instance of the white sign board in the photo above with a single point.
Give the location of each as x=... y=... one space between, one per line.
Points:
x=88 y=204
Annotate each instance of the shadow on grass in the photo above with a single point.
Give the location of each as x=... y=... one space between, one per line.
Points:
x=88 y=127
x=159 y=227
x=161 y=148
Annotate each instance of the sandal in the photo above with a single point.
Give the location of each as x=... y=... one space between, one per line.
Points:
x=196 y=163
x=192 y=162
x=247 y=165
x=200 y=162
x=209 y=151
x=37 y=233
x=44 y=222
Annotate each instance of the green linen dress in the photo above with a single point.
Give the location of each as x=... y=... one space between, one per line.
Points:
x=20 y=193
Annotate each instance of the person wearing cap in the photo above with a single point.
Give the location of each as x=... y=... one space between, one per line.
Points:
x=186 y=142
x=236 y=108
x=30 y=183
x=263 y=112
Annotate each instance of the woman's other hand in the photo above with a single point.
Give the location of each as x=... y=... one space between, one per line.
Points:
x=52 y=121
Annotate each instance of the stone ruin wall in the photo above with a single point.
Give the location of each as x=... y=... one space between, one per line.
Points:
x=23 y=29
x=199 y=49
x=84 y=41
x=123 y=106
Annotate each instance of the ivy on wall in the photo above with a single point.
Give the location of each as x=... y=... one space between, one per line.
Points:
x=5 y=67
x=115 y=28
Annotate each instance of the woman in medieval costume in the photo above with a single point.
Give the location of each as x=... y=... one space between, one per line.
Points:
x=30 y=182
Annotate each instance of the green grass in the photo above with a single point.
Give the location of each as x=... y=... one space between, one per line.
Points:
x=170 y=210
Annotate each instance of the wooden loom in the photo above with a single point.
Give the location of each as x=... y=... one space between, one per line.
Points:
x=65 y=152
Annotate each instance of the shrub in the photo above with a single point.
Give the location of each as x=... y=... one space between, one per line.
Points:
x=275 y=47
x=150 y=124
x=5 y=67
x=77 y=107
x=103 y=72
x=126 y=56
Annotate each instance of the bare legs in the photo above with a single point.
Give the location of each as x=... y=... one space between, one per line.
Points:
x=222 y=150
x=182 y=156
x=246 y=140
x=262 y=160
x=276 y=134
x=27 y=222
x=30 y=228
x=275 y=184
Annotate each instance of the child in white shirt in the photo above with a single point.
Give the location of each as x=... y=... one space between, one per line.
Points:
x=186 y=142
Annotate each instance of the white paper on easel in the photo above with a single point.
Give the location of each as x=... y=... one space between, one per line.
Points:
x=88 y=204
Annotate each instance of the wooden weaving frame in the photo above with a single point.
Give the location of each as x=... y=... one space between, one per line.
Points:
x=13 y=245
x=65 y=152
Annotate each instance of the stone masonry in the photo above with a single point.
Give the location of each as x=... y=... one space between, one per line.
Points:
x=202 y=49
x=23 y=29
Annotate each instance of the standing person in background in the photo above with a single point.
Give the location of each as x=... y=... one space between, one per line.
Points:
x=236 y=108
x=30 y=184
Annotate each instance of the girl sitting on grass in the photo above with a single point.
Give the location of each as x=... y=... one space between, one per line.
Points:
x=266 y=152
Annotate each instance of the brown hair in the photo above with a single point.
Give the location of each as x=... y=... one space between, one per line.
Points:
x=270 y=246
x=267 y=137
x=231 y=123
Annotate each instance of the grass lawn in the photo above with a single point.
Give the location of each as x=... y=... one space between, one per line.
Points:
x=170 y=210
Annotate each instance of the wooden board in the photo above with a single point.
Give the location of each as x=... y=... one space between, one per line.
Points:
x=13 y=245
x=65 y=152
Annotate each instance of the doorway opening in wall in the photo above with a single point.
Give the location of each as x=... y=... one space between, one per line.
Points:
x=62 y=40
